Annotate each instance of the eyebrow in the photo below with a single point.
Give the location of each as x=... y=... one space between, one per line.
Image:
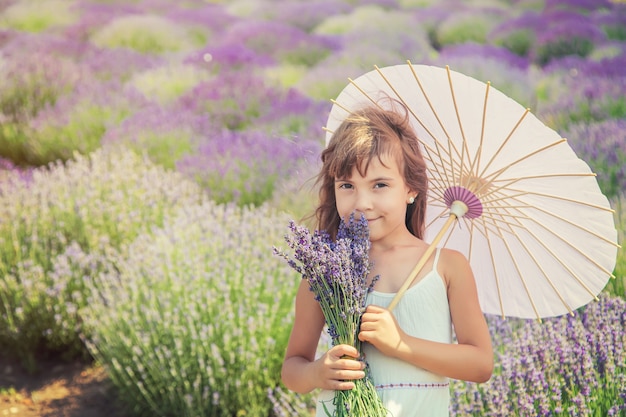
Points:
x=379 y=179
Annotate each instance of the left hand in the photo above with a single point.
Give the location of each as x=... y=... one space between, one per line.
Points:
x=380 y=328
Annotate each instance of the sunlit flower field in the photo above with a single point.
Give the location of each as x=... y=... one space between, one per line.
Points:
x=153 y=152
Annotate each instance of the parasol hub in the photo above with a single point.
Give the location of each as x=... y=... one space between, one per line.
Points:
x=462 y=202
x=458 y=208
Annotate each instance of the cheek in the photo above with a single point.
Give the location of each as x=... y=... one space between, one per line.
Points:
x=344 y=208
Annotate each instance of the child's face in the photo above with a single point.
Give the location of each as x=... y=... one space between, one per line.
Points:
x=381 y=195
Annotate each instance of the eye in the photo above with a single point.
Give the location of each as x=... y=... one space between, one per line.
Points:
x=345 y=186
x=380 y=185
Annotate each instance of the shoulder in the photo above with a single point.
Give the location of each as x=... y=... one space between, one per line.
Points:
x=454 y=266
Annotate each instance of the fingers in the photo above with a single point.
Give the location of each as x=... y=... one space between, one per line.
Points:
x=344 y=350
x=340 y=367
x=374 y=309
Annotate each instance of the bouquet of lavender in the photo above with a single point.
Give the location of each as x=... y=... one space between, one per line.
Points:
x=337 y=274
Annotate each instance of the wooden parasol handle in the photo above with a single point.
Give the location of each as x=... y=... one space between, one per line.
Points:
x=420 y=264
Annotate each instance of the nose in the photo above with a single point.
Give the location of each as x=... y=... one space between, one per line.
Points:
x=363 y=202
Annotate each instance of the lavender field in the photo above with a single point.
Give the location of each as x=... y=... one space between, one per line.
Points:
x=152 y=153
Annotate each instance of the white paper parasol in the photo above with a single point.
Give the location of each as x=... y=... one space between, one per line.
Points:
x=538 y=232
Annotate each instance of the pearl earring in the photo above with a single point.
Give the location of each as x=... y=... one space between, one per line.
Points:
x=411 y=200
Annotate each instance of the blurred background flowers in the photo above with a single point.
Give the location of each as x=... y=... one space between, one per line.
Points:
x=152 y=151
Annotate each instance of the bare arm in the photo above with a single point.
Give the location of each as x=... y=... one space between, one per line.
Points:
x=470 y=360
x=301 y=372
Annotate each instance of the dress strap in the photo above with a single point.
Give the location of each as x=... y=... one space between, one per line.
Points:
x=436 y=260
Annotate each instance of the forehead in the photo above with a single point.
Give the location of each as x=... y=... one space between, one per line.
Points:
x=384 y=165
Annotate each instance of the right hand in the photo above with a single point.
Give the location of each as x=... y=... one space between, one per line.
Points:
x=339 y=367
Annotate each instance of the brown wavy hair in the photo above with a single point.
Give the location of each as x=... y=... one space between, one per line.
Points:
x=366 y=134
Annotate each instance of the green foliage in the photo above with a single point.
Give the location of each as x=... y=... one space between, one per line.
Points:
x=81 y=134
x=564 y=46
x=518 y=41
x=26 y=88
x=617 y=286
x=58 y=228
x=166 y=84
x=194 y=318
x=146 y=34
x=465 y=26
x=37 y=15
x=244 y=184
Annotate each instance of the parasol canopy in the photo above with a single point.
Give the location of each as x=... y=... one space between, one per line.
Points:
x=504 y=189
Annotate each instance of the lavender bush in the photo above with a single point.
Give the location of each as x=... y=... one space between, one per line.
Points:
x=612 y=23
x=38 y=16
x=281 y=42
x=166 y=83
x=567 y=366
x=202 y=86
x=163 y=135
x=580 y=97
x=603 y=146
x=77 y=122
x=57 y=227
x=617 y=286
x=243 y=167
x=28 y=84
x=195 y=317
x=467 y=25
x=517 y=34
x=565 y=33
x=506 y=71
x=146 y=34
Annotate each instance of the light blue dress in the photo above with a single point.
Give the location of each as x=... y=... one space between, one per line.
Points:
x=406 y=390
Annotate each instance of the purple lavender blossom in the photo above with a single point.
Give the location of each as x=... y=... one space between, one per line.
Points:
x=243 y=166
x=337 y=271
x=228 y=57
x=612 y=22
x=237 y=100
x=213 y=17
x=582 y=98
x=307 y=15
x=517 y=34
x=281 y=42
x=95 y=15
x=571 y=365
x=583 y=6
x=565 y=33
x=165 y=135
x=603 y=146
x=482 y=52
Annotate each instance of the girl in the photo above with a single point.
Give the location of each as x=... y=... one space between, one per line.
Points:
x=373 y=165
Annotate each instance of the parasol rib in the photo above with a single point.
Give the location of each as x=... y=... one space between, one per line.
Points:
x=476 y=161
x=542 y=176
x=436 y=150
x=458 y=118
x=530 y=298
x=569 y=200
x=427 y=149
x=493 y=266
x=562 y=239
x=578 y=226
x=494 y=175
x=564 y=265
x=494 y=165
x=441 y=125
x=506 y=140
x=545 y=275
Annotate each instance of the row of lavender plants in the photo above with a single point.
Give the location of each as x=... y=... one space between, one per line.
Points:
x=153 y=151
